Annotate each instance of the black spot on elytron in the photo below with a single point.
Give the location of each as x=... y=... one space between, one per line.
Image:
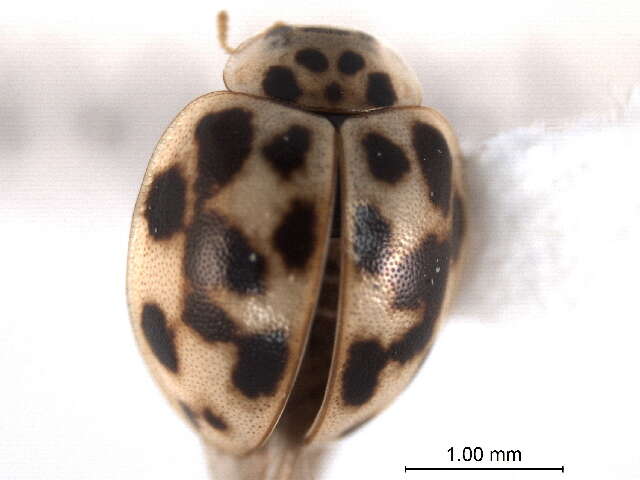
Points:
x=287 y=151
x=368 y=358
x=372 y=237
x=366 y=361
x=413 y=341
x=219 y=254
x=262 y=359
x=280 y=82
x=246 y=268
x=313 y=59
x=387 y=161
x=190 y=414
x=350 y=62
x=458 y=227
x=328 y=31
x=333 y=92
x=421 y=278
x=214 y=420
x=165 y=203
x=158 y=336
x=224 y=143
x=295 y=237
x=435 y=162
x=380 y=92
x=210 y=321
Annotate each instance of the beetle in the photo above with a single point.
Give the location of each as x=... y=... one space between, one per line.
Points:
x=295 y=242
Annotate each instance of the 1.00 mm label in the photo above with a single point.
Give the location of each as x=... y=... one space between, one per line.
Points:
x=476 y=454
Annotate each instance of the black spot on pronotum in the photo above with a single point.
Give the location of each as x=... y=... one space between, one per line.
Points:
x=435 y=162
x=208 y=320
x=165 y=204
x=372 y=237
x=366 y=359
x=287 y=151
x=159 y=336
x=190 y=414
x=262 y=359
x=224 y=143
x=295 y=237
x=350 y=62
x=214 y=420
x=387 y=161
x=458 y=227
x=380 y=92
x=333 y=92
x=218 y=253
x=312 y=59
x=421 y=278
x=280 y=82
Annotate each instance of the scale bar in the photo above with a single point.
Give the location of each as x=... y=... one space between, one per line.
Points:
x=558 y=469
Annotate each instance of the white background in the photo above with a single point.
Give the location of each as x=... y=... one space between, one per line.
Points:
x=541 y=350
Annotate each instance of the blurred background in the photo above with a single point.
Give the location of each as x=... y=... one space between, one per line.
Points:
x=540 y=351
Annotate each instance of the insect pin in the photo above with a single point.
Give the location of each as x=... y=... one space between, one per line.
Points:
x=293 y=247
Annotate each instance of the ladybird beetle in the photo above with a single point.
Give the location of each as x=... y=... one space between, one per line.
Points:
x=295 y=241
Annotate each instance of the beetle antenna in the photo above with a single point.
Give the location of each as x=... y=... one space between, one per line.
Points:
x=223 y=29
